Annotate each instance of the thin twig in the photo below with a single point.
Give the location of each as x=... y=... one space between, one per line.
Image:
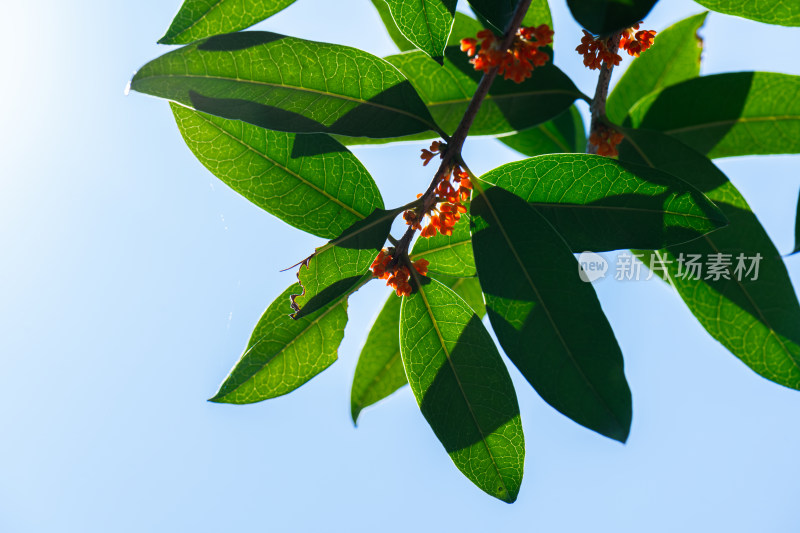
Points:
x=453 y=152
x=598 y=104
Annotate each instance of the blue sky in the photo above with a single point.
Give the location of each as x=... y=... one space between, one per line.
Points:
x=131 y=278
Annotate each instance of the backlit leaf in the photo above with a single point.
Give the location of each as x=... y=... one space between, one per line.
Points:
x=380 y=372
x=288 y=84
x=548 y=321
x=724 y=115
x=449 y=255
x=342 y=264
x=599 y=204
x=463 y=388
x=282 y=353
x=757 y=318
x=782 y=12
x=426 y=23
x=309 y=181
x=395 y=34
x=198 y=19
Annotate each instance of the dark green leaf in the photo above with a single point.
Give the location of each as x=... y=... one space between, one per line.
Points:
x=283 y=353
x=782 y=12
x=673 y=58
x=426 y=23
x=198 y=19
x=342 y=264
x=547 y=320
x=602 y=17
x=380 y=371
x=288 y=84
x=724 y=115
x=600 y=204
x=309 y=181
x=451 y=255
x=563 y=134
x=509 y=106
x=498 y=13
x=463 y=388
x=758 y=320
x=395 y=34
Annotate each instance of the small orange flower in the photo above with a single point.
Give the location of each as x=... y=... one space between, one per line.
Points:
x=518 y=61
x=597 y=52
x=399 y=278
x=606 y=140
x=436 y=148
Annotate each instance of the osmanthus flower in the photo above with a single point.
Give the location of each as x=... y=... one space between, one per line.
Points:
x=598 y=51
x=398 y=278
x=606 y=140
x=452 y=189
x=518 y=60
x=638 y=42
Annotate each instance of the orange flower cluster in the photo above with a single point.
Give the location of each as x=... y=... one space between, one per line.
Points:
x=636 y=43
x=448 y=208
x=606 y=140
x=597 y=51
x=399 y=278
x=515 y=63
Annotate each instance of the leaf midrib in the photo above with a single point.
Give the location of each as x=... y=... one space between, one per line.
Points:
x=283 y=349
x=458 y=381
x=550 y=316
x=292 y=88
x=284 y=168
x=727 y=122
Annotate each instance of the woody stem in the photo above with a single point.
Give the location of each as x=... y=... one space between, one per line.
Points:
x=598 y=104
x=454 y=145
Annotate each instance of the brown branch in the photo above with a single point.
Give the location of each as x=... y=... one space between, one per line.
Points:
x=598 y=104
x=452 y=154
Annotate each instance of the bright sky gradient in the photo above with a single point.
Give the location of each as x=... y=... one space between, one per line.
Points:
x=131 y=278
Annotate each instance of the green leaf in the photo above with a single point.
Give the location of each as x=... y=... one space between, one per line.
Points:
x=781 y=12
x=395 y=34
x=538 y=13
x=498 y=13
x=463 y=27
x=451 y=255
x=198 y=19
x=602 y=17
x=758 y=320
x=342 y=264
x=548 y=321
x=463 y=388
x=563 y=134
x=282 y=353
x=309 y=181
x=288 y=84
x=509 y=106
x=599 y=204
x=725 y=115
x=673 y=58
x=426 y=23
x=380 y=372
